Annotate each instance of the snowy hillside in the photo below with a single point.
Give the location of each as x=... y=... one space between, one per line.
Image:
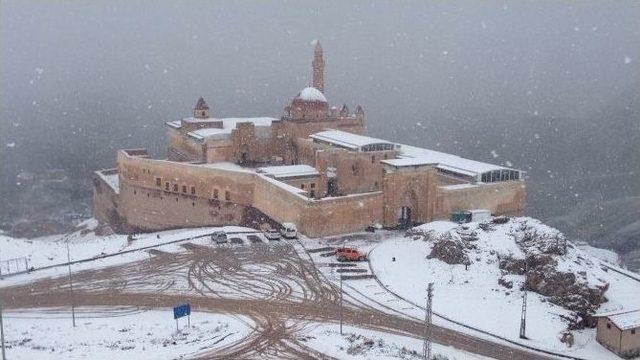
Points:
x=478 y=275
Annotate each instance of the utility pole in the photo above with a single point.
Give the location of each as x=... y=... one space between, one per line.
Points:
x=523 y=315
x=4 y=356
x=340 y=304
x=73 y=310
x=426 y=347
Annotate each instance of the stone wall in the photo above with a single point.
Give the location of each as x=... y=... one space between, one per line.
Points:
x=314 y=218
x=105 y=204
x=413 y=188
x=146 y=206
x=188 y=148
x=507 y=197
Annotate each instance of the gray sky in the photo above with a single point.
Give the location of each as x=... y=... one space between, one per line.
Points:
x=81 y=79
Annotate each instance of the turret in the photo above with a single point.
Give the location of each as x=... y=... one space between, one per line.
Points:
x=201 y=111
x=360 y=113
x=344 y=110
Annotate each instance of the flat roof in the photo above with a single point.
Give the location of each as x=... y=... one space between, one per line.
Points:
x=288 y=171
x=228 y=125
x=347 y=139
x=415 y=156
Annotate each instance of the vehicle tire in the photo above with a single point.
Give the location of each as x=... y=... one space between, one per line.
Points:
x=361 y=258
x=342 y=259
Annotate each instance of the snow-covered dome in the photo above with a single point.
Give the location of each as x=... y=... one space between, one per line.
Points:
x=311 y=94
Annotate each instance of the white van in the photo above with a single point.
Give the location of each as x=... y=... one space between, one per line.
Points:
x=289 y=231
x=478 y=215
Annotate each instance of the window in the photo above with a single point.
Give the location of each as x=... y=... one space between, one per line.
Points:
x=373 y=159
x=193 y=190
x=302 y=186
x=313 y=185
x=608 y=326
x=312 y=193
x=227 y=195
x=184 y=189
x=135 y=192
x=375 y=184
x=166 y=186
x=633 y=331
x=158 y=181
x=175 y=187
x=215 y=193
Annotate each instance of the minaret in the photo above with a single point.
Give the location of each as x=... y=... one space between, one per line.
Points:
x=318 y=68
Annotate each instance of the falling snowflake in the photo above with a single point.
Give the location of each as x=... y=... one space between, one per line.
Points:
x=494 y=154
x=627 y=60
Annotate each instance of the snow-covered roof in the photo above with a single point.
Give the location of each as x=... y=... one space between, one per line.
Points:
x=228 y=125
x=311 y=94
x=414 y=156
x=288 y=171
x=623 y=320
x=174 y=124
x=347 y=139
x=110 y=177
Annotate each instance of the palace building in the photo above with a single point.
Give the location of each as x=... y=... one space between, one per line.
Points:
x=312 y=166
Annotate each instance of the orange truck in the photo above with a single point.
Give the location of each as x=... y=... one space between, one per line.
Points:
x=350 y=254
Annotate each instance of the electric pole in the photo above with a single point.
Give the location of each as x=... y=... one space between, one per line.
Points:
x=73 y=310
x=426 y=347
x=4 y=356
x=523 y=315
x=340 y=304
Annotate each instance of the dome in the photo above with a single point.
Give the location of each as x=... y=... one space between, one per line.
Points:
x=311 y=94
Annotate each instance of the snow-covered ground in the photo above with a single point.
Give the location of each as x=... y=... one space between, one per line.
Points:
x=122 y=333
x=603 y=254
x=474 y=297
x=359 y=343
x=52 y=250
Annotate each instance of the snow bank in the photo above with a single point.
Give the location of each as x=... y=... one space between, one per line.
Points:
x=108 y=333
x=359 y=343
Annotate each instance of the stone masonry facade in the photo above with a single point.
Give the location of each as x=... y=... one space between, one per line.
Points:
x=312 y=166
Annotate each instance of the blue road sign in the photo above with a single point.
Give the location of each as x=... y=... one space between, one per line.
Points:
x=181 y=310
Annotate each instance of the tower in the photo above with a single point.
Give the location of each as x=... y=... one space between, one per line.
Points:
x=201 y=110
x=318 y=68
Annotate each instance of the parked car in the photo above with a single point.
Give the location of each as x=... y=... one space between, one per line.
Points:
x=271 y=234
x=350 y=254
x=289 y=231
x=219 y=237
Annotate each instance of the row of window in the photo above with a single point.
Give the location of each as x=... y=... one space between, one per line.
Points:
x=500 y=175
x=190 y=190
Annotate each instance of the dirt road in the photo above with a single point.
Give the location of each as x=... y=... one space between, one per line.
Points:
x=269 y=283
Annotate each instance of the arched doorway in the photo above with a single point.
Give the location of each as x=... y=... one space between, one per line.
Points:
x=404 y=219
x=244 y=154
x=408 y=207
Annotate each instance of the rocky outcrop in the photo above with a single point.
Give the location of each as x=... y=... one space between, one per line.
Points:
x=563 y=289
x=543 y=277
x=531 y=240
x=451 y=250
